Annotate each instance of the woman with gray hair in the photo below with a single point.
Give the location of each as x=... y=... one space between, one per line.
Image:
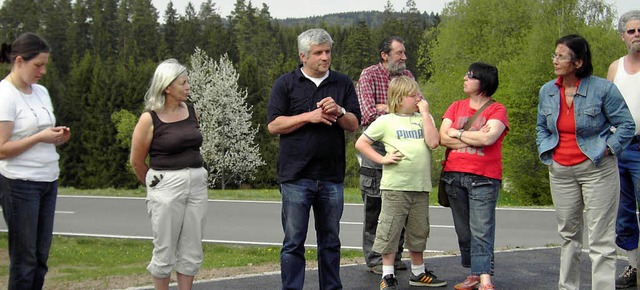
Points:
x=168 y=132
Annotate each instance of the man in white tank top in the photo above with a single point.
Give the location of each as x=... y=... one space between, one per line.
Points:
x=625 y=73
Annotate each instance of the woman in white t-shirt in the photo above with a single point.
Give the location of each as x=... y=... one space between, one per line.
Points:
x=28 y=160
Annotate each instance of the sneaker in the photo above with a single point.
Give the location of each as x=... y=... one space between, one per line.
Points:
x=400 y=266
x=377 y=269
x=426 y=280
x=627 y=278
x=486 y=287
x=472 y=282
x=388 y=282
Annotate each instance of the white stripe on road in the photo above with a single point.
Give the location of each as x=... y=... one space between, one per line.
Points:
x=360 y=223
x=60 y=212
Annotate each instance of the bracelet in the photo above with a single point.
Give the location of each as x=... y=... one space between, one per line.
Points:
x=460 y=133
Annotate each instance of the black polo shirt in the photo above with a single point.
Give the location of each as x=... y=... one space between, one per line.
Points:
x=314 y=151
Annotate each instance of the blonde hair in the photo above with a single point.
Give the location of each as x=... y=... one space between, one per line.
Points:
x=399 y=88
x=166 y=72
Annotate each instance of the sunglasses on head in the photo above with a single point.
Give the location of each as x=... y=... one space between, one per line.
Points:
x=470 y=75
x=633 y=31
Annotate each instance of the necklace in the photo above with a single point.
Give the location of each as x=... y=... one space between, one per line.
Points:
x=24 y=100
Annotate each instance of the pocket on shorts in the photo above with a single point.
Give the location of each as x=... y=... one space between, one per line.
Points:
x=386 y=224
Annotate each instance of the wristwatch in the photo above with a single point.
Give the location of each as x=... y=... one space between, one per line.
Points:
x=460 y=133
x=342 y=112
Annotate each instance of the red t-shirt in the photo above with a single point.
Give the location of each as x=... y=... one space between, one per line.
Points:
x=484 y=161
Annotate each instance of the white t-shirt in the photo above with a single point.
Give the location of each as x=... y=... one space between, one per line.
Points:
x=630 y=89
x=30 y=114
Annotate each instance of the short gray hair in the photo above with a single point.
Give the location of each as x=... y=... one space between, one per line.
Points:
x=166 y=72
x=631 y=15
x=311 y=37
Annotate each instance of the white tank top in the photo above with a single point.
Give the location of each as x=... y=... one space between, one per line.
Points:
x=628 y=86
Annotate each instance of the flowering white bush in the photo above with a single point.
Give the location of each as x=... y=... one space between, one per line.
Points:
x=229 y=150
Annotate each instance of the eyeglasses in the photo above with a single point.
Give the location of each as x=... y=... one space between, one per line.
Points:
x=560 y=57
x=470 y=75
x=633 y=31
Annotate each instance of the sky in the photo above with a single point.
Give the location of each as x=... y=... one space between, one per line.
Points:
x=301 y=9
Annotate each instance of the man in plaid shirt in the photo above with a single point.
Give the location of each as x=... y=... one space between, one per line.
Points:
x=372 y=95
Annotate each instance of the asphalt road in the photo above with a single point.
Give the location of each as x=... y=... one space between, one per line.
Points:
x=258 y=223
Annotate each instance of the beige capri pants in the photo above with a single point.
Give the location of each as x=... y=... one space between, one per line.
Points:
x=176 y=204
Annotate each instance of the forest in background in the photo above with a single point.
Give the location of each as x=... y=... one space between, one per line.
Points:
x=105 y=51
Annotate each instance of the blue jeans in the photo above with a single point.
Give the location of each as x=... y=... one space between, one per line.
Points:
x=627 y=231
x=473 y=206
x=28 y=208
x=327 y=200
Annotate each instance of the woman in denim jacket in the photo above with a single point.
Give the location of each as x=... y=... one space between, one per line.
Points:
x=583 y=123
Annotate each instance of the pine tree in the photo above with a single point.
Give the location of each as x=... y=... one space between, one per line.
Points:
x=228 y=149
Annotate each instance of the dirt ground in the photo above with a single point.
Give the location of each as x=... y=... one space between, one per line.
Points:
x=124 y=282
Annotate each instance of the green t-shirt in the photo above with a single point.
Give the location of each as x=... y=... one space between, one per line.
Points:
x=404 y=134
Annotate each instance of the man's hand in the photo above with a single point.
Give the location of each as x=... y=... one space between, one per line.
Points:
x=382 y=107
x=319 y=116
x=330 y=107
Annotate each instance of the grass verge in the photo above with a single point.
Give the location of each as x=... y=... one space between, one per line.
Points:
x=98 y=263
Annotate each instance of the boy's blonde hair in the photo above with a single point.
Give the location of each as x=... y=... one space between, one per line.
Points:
x=399 y=88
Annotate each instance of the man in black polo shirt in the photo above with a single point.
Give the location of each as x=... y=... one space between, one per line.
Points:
x=310 y=108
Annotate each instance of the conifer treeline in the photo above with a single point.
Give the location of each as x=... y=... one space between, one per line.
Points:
x=104 y=53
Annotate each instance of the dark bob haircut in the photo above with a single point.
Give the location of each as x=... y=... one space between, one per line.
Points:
x=581 y=51
x=487 y=75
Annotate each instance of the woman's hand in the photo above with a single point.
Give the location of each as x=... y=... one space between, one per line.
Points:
x=453 y=133
x=54 y=135
x=66 y=135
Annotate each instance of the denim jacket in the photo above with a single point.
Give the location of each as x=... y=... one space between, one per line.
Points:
x=602 y=119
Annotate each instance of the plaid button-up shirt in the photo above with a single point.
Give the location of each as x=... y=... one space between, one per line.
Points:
x=372 y=89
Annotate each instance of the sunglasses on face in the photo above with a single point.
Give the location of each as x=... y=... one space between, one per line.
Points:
x=470 y=75
x=633 y=31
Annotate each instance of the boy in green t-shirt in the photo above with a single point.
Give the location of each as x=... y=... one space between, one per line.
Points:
x=408 y=132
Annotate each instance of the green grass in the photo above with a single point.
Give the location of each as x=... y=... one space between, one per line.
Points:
x=74 y=260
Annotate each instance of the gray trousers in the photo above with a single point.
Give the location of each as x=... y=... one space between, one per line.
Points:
x=590 y=192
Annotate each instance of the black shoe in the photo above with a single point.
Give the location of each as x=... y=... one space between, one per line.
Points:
x=627 y=278
x=426 y=279
x=388 y=282
x=400 y=266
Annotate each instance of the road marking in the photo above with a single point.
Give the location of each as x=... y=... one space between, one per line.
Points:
x=361 y=223
x=61 y=212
